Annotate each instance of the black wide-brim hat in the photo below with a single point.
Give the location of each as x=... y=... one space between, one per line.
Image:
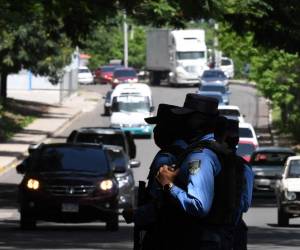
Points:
x=195 y=103
x=163 y=113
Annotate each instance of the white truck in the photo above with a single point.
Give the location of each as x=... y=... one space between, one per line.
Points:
x=178 y=56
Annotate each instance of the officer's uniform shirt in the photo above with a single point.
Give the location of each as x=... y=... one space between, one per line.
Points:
x=246 y=197
x=196 y=175
x=147 y=214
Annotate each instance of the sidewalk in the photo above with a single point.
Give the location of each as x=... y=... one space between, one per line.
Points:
x=55 y=118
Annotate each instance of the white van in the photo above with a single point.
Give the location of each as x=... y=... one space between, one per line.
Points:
x=130 y=106
x=227 y=67
x=141 y=89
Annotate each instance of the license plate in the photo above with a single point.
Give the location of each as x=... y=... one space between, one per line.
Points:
x=70 y=208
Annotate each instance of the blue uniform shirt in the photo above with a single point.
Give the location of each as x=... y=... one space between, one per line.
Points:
x=197 y=174
x=248 y=190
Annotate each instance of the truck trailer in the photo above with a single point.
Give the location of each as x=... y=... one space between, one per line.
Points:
x=177 y=56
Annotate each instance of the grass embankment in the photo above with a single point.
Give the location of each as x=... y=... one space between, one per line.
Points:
x=17 y=114
x=285 y=136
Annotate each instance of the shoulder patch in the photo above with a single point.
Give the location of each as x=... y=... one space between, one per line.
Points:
x=194 y=166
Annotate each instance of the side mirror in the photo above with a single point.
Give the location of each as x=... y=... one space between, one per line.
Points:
x=278 y=176
x=32 y=148
x=258 y=136
x=152 y=108
x=21 y=168
x=229 y=92
x=134 y=163
x=244 y=115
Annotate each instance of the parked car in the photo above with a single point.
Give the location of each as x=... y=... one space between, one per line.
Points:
x=123 y=75
x=245 y=149
x=106 y=136
x=217 y=87
x=227 y=67
x=231 y=112
x=85 y=75
x=122 y=167
x=288 y=192
x=247 y=132
x=213 y=94
x=213 y=75
x=104 y=74
x=68 y=183
x=267 y=164
x=107 y=103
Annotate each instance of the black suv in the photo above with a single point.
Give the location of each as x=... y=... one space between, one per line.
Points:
x=68 y=183
x=104 y=135
x=122 y=166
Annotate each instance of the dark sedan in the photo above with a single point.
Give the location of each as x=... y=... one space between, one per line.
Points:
x=68 y=183
x=267 y=164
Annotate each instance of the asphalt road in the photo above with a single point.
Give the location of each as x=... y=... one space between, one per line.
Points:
x=263 y=232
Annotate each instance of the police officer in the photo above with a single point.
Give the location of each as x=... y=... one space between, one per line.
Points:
x=167 y=138
x=240 y=230
x=197 y=189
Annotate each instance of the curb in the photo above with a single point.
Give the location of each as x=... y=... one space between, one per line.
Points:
x=22 y=155
x=242 y=83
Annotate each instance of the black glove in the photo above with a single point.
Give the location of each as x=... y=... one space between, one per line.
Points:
x=127 y=214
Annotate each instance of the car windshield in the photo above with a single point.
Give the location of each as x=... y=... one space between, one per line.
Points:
x=213 y=74
x=83 y=70
x=245 y=149
x=188 y=55
x=269 y=158
x=229 y=112
x=220 y=89
x=245 y=132
x=80 y=159
x=108 y=139
x=294 y=169
x=118 y=159
x=107 y=69
x=124 y=73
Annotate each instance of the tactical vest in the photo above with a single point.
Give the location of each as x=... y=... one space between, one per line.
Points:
x=227 y=188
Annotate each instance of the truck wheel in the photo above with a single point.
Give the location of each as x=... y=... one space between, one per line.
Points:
x=27 y=221
x=155 y=78
x=113 y=224
x=283 y=218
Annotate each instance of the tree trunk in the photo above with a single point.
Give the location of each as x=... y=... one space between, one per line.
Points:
x=284 y=115
x=3 y=88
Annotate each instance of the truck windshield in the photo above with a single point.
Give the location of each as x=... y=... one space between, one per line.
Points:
x=190 y=55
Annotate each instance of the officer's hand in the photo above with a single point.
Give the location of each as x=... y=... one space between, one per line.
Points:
x=166 y=175
x=127 y=214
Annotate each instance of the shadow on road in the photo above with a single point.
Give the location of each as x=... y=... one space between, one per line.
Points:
x=279 y=237
x=8 y=195
x=65 y=237
x=264 y=200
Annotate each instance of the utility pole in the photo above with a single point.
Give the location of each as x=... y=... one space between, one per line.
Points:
x=125 y=31
x=216 y=45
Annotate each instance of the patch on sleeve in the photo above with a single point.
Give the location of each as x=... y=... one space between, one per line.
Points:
x=194 y=166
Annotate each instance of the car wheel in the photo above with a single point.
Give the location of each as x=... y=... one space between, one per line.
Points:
x=283 y=218
x=113 y=224
x=27 y=221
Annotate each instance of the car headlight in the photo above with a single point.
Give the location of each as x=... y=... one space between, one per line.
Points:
x=290 y=195
x=106 y=185
x=33 y=184
x=116 y=81
x=124 y=181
